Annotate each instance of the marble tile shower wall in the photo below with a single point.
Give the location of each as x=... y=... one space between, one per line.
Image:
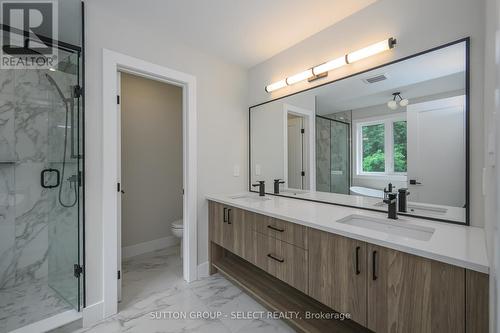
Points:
x=322 y=155
x=26 y=103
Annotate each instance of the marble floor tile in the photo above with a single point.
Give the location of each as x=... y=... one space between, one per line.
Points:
x=28 y=303
x=153 y=291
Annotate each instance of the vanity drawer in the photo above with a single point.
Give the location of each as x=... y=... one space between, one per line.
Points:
x=288 y=232
x=282 y=260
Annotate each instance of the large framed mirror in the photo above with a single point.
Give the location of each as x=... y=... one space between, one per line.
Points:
x=402 y=127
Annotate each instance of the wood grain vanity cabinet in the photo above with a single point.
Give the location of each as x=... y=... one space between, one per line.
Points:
x=232 y=228
x=338 y=273
x=408 y=294
x=291 y=233
x=285 y=261
x=384 y=290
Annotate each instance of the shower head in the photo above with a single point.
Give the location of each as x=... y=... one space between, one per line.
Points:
x=53 y=83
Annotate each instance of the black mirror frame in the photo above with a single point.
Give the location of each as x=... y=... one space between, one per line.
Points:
x=465 y=40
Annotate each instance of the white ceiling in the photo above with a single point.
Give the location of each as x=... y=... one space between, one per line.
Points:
x=241 y=32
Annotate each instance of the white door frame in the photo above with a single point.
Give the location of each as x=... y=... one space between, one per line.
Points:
x=112 y=63
x=310 y=147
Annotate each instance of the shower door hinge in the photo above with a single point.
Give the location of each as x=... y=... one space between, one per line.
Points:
x=302 y=130
x=77 y=91
x=119 y=275
x=77 y=270
x=303 y=173
x=117 y=99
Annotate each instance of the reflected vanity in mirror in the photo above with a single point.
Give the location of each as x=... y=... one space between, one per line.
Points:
x=401 y=128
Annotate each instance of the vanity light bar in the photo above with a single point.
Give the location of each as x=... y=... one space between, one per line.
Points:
x=349 y=58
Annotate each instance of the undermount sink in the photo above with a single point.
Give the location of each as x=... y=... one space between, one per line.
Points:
x=396 y=228
x=250 y=197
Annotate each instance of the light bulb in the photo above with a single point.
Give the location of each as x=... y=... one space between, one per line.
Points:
x=276 y=85
x=330 y=65
x=404 y=102
x=371 y=50
x=299 y=77
x=393 y=105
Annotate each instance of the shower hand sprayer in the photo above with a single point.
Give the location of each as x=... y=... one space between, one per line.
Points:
x=69 y=104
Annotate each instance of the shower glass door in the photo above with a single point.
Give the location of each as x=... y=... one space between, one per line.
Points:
x=339 y=161
x=332 y=155
x=64 y=162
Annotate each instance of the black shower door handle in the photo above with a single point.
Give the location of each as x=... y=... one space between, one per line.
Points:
x=48 y=172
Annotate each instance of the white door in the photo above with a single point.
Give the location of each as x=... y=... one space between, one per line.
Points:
x=436 y=151
x=295 y=152
x=119 y=191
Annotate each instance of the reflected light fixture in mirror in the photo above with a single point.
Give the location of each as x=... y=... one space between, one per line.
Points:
x=393 y=104
x=363 y=53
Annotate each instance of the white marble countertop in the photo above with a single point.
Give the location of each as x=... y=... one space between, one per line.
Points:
x=458 y=245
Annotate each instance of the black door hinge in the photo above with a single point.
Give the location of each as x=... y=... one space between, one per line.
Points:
x=118 y=187
x=117 y=99
x=77 y=270
x=119 y=275
x=303 y=173
x=302 y=130
x=77 y=91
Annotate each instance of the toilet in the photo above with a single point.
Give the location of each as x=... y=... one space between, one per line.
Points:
x=178 y=230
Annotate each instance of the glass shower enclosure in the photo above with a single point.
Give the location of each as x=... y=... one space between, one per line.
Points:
x=332 y=155
x=41 y=191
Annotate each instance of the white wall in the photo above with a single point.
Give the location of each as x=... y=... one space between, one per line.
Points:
x=492 y=162
x=267 y=139
x=222 y=119
x=267 y=144
x=151 y=154
x=418 y=25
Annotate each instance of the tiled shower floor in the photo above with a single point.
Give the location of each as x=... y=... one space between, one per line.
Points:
x=28 y=303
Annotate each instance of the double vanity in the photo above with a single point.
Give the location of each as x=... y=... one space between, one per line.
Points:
x=369 y=216
x=405 y=275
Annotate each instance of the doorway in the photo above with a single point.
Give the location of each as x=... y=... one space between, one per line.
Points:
x=150 y=176
x=299 y=154
x=113 y=63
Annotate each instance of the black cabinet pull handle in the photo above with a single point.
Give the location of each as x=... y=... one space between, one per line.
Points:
x=374 y=265
x=275 y=229
x=357 y=260
x=276 y=258
x=229 y=216
x=225 y=214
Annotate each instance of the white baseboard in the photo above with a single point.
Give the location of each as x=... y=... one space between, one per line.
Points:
x=50 y=323
x=203 y=270
x=93 y=314
x=141 y=248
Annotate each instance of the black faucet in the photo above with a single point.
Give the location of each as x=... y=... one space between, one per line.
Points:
x=262 y=187
x=387 y=190
x=277 y=183
x=402 y=202
x=391 y=201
